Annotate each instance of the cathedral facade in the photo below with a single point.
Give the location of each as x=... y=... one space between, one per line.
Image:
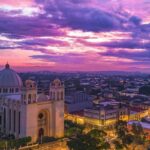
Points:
x=25 y=113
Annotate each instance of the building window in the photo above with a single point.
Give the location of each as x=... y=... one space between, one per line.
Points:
x=16 y=89
x=57 y=95
x=19 y=122
x=0 y=90
x=14 y=120
x=29 y=97
x=6 y=90
x=62 y=95
x=9 y=119
x=40 y=116
x=4 y=118
x=0 y=120
x=53 y=97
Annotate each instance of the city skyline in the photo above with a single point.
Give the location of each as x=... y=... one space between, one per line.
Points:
x=75 y=35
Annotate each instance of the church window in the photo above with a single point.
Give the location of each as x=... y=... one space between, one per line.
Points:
x=53 y=95
x=14 y=120
x=9 y=119
x=4 y=117
x=41 y=116
x=62 y=95
x=6 y=90
x=34 y=96
x=19 y=122
x=29 y=97
x=57 y=95
x=16 y=89
x=0 y=120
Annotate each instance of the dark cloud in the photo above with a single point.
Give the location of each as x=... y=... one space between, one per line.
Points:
x=138 y=56
x=136 y=20
x=28 y=26
x=64 y=13
x=131 y=44
x=44 y=42
x=68 y=58
x=68 y=14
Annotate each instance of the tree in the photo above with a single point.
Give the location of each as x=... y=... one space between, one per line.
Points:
x=124 y=138
x=139 y=137
x=100 y=137
x=16 y=143
x=121 y=129
x=118 y=145
x=72 y=129
x=93 y=140
x=2 y=144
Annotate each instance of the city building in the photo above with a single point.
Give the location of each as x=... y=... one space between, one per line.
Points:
x=77 y=101
x=24 y=113
x=106 y=113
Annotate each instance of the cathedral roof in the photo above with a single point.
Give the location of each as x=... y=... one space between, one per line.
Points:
x=9 y=78
x=42 y=97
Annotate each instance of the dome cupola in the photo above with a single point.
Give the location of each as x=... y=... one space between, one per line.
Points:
x=9 y=80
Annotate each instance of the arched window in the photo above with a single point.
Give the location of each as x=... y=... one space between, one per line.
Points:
x=34 y=97
x=62 y=95
x=24 y=97
x=4 y=118
x=58 y=96
x=53 y=95
x=29 y=98
x=14 y=120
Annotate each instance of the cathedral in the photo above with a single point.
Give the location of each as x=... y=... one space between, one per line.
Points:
x=24 y=113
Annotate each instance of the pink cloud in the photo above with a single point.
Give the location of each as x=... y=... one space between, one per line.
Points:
x=17 y=3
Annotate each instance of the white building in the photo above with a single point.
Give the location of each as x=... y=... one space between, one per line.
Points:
x=24 y=113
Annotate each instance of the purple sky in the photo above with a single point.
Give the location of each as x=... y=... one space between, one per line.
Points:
x=75 y=35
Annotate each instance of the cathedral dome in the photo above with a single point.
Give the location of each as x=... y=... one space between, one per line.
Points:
x=9 y=78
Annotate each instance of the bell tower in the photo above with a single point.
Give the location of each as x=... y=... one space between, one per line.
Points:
x=56 y=94
x=56 y=90
x=30 y=94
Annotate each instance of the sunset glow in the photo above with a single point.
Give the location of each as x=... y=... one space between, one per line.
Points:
x=75 y=35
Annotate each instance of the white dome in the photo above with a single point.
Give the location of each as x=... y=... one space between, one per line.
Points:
x=9 y=78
